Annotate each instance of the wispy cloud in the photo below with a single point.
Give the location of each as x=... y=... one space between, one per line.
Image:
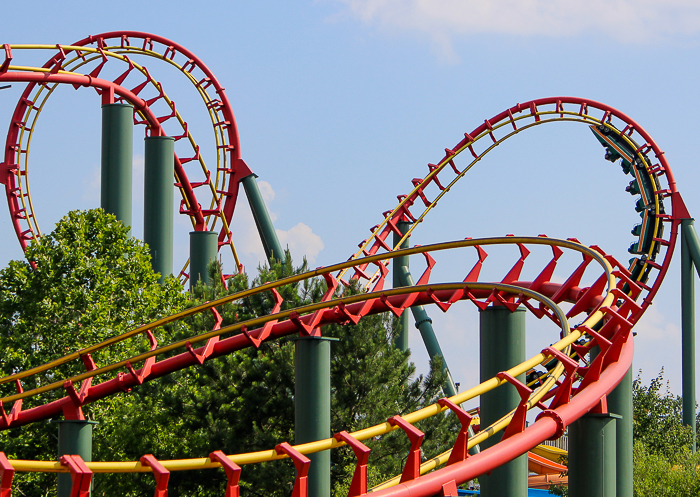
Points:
x=302 y=241
x=626 y=21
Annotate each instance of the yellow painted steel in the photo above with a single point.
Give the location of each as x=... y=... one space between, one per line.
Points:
x=220 y=135
x=546 y=116
x=569 y=336
x=549 y=452
x=294 y=279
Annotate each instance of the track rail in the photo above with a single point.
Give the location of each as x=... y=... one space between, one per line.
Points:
x=611 y=301
x=94 y=53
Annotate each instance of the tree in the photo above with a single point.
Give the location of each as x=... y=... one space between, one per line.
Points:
x=244 y=402
x=86 y=281
x=663 y=461
x=657 y=418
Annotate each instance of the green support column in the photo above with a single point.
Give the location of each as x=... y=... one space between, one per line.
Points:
x=117 y=153
x=501 y=346
x=592 y=452
x=399 y=262
x=312 y=406
x=268 y=235
x=203 y=249
x=688 y=323
x=159 y=164
x=74 y=437
x=620 y=403
x=425 y=326
x=432 y=346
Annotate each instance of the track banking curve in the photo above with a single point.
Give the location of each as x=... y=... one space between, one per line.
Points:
x=605 y=297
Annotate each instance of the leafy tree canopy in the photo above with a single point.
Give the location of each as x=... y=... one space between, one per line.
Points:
x=88 y=280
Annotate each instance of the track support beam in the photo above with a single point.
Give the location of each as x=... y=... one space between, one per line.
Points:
x=401 y=341
x=159 y=167
x=74 y=438
x=690 y=261
x=203 y=249
x=501 y=346
x=312 y=406
x=592 y=448
x=268 y=235
x=620 y=402
x=425 y=325
x=117 y=154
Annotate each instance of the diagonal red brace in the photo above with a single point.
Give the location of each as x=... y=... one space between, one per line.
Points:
x=301 y=463
x=341 y=311
x=233 y=472
x=460 y=450
x=474 y=273
x=80 y=475
x=200 y=357
x=593 y=371
x=72 y=410
x=412 y=469
x=382 y=278
x=425 y=277
x=7 y=472
x=563 y=395
x=359 y=479
x=8 y=58
x=396 y=311
x=517 y=424
x=161 y=474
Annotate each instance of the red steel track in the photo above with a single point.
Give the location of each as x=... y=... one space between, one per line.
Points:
x=612 y=300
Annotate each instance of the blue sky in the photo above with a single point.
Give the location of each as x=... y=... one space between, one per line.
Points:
x=340 y=104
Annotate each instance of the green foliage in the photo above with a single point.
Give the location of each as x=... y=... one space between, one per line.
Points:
x=245 y=401
x=85 y=282
x=657 y=418
x=88 y=281
x=663 y=462
x=658 y=475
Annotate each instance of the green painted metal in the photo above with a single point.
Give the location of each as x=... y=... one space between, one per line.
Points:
x=691 y=237
x=401 y=342
x=501 y=346
x=688 y=242
x=620 y=403
x=592 y=456
x=312 y=406
x=267 y=232
x=159 y=165
x=117 y=153
x=74 y=437
x=203 y=249
x=425 y=326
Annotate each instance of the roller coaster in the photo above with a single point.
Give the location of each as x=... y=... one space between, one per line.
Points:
x=605 y=297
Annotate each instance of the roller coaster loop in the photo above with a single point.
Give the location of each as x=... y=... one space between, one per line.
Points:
x=607 y=298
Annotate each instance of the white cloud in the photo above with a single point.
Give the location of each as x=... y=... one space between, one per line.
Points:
x=268 y=194
x=654 y=326
x=302 y=241
x=627 y=21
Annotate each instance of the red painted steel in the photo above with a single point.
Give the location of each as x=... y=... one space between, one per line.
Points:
x=358 y=486
x=237 y=169
x=7 y=473
x=233 y=472
x=301 y=463
x=161 y=474
x=80 y=474
x=567 y=403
